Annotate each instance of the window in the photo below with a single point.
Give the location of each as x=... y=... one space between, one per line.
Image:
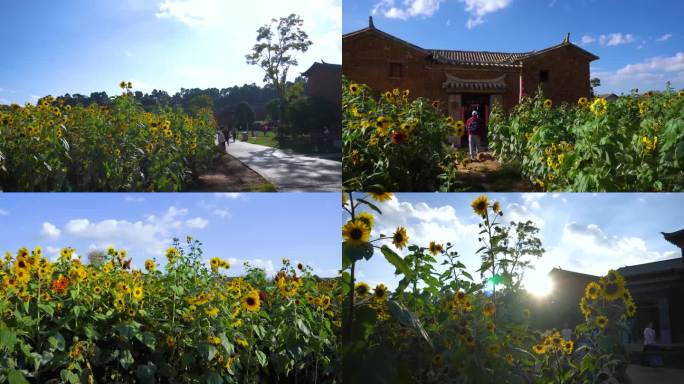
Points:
x=544 y=76
x=395 y=70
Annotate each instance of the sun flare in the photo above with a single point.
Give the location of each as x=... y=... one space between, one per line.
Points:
x=539 y=285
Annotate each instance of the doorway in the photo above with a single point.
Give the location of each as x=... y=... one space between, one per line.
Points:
x=477 y=102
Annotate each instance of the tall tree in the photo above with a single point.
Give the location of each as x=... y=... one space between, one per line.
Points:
x=244 y=115
x=275 y=52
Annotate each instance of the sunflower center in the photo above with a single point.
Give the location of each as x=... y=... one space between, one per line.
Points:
x=356 y=233
x=481 y=206
x=611 y=288
x=250 y=301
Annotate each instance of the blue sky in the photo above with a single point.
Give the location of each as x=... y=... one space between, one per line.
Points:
x=82 y=46
x=640 y=43
x=261 y=228
x=588 y=233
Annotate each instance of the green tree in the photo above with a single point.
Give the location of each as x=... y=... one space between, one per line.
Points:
x=275 y=53
x=244 y=115
x=200 y=102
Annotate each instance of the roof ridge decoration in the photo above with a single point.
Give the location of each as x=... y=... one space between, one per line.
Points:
x=497 y=84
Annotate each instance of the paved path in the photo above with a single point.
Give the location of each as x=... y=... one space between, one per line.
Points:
x=287 y=170
x=648 y=375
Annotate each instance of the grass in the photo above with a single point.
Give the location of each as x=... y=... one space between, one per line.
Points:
x=265 y=187
x=298 y=143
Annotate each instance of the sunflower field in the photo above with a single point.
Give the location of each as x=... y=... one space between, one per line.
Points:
x=57 y=147
x=185 y=322
x=440 y=325
x=393 y=142
x=635 y=143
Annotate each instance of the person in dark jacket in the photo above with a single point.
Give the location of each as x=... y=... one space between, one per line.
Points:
x=474 y=128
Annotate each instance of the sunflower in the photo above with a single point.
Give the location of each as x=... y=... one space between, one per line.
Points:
x=362 y=289
x=567 y=346
x=172 y=254
x=592 y=290
x=680 y=94
x=150 y=265
x=631 y=309
x=251 y=301
x=599 y=107
x=459 y=129
x=119 y=302
x=242 y=343
x=435 y=104
x=131 y=312
x=355 y=232
x=214 y=340
x=470 y=340
x=489 y=309
x=584 y=308
x=509 y=359
x=460 y=296
x=324 y=302
x=467 y=305
x=613 y=290
x=435 y=248
x=212 y=311
x=583 y=102
x=380 y=292
x=122 y=85
x=437 y=360
x=354 y=88
x=138 y=293
x=548 y=103
x=400 y=238
x=480 y=205
x=215 y=263
x=367 y=218
x=130 y=85
x=383 y=125
x=539 y=349
x=601 y=321
x=496 y=207
x=381 y=196
x=97 y=290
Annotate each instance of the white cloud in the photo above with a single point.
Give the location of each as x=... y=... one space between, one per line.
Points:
x=53 y=252
x=3 y=212
x=237 y=267
x=147 y=237
x=222 y=213
x=651 y=73
x=521 y=213
x=134 y=199
x=228 y=195
x=49 y=230
x=610 y=40
x=197 y=223
x=614 y=39
x=478 y=9
x=411 y=8
x=4 y=101
x=532 y=199
x=587 y=39
x=664 y=37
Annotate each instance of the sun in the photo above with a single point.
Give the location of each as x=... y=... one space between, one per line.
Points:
x=540 y=285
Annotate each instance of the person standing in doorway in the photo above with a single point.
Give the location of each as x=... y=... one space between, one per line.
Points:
x=473 y=127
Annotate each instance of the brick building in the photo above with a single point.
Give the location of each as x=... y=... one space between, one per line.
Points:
x=324 y=80
x=465 y=80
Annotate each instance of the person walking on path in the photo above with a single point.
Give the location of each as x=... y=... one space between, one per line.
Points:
x=473 y=127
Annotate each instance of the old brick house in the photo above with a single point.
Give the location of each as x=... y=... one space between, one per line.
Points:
x=465 y=80
x=324 y=81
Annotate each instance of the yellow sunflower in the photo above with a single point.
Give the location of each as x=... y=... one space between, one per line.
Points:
x=496 y=207
x=355 y=232
x=480 y=205
x=150 y=265
x=583 y=102
x=613 y=289
x=601 y=321
x=214 y=340
x=435 y=248
x=539 y=349
x=366 y=218
x=138 y=293
x=584 y=308
x=592 y=290
x=251 y=301
x=631 y=309
x=599 y=107
x=548 y=103
x=400 y=239
x=380 y=292
x=380 y=196
x=354 y=88
x=568 y=346
x=172 y=254
x=215 y=263
x=97 y=290
x=362 y=289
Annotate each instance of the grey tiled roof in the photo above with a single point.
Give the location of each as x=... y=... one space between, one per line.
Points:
x=478 y=57
x=655 y=267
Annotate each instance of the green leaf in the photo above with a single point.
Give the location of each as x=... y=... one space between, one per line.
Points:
x=208 y=351
x=126 y=359
x=7 y=339
x=396 y=261
x=261 y=358
x=408 y=319
x=145 y=373
x=16 y=377
x=357 y=252
x=370 y=205
x=69 y=377
x=302 y=327
x=57 y=341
